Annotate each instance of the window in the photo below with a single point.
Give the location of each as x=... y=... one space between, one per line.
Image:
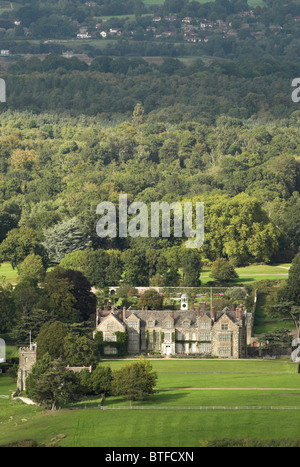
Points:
x=205 y=325
x=150 y=324
x=225 y=350
x=205 y=336
x=167 y=337
x=224 y=327
x=132 y=324
x=110 y=338
x=168 y=324
x=205 y=348
x=110 y=351
x=186 y=324
x=226 y=337
x=110 y=326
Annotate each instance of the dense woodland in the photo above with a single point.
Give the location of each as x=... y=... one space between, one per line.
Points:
x=220 y=129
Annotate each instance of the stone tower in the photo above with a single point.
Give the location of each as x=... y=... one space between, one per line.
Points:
x=27 y=358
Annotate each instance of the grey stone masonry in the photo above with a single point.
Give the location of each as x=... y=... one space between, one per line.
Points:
x=27 y=358
x=223 y=334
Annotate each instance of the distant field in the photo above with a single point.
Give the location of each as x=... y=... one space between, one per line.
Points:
x=237 y=397
x=8 y=272
x=256 y=273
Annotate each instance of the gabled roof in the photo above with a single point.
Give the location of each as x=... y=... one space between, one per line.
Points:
x=134 y=316
x=228 y=314
x=113 y=315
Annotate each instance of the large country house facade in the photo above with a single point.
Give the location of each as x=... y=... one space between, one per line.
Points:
x=223 y=334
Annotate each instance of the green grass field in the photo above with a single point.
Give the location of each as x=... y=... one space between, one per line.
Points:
x=237 y=396
x=254 y=273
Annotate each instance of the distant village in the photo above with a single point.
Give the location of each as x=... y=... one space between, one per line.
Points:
x=189 y=29
x=243 y=25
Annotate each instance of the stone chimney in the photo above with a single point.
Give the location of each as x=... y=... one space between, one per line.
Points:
x=124 y=314
x=192 y=306
x=239 y=312
x=213 y=313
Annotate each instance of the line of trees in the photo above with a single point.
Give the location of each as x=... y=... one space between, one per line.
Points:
x=51 y=384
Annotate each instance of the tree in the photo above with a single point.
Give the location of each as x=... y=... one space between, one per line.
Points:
x=54 y=385
x=65 y=238
x=32 y=268
x=239 y=229
x=191 y=266
x=288 y=306
x=7 y=308
x=223 y=271
x=292 y=290
x=101 y=380
x=136 y=271
x=51 y=339
x=80 y=351
x=151 y=299
x=69 y=295
x=138 y=115
x=135 y=381
x=20 y=243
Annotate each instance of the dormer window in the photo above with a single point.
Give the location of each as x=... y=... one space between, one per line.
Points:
x=168 y=324
x=186 y=324
x=110 y=326
x=224 y=327
x=132 y=324
x=150 y=324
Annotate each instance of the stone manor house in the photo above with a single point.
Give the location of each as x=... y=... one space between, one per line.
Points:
x=224 y=334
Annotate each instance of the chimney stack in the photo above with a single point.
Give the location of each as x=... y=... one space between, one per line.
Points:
x=213 y=313
x=192 y=306
x=124 y=314
x=239 y=312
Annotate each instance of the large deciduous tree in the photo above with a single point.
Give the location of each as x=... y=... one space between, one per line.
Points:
x=135 y=381
x=20 y=243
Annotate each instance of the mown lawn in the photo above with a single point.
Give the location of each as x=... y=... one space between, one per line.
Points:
x=273 y=383
x=255 y=273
